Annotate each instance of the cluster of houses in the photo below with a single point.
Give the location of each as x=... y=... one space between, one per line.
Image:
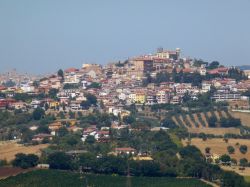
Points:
x=120 y=84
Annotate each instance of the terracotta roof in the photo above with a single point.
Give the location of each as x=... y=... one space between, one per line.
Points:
x=70 y=70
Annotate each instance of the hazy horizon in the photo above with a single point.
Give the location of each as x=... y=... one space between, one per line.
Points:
x=43 y=36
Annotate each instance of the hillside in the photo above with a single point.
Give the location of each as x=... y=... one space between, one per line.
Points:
x=53 y=178
x=199 y=122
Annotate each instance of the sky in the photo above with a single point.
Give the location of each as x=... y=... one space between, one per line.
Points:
x=44 y=36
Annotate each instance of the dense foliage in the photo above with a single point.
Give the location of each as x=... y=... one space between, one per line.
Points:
x=25 y=161
x=54 y=178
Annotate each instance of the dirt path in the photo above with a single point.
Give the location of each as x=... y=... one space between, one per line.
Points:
x=181 y=118
x=217 y=115
x=210 y=183
x=191 y=122
x=224 y=114
x=197 y=120
x=203 y=117
x=175 y=121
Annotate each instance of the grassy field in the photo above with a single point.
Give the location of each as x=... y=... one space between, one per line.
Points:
x=219 y=146
x=9 y=149
x=175 y=139
x=215 y=131
x=244 y=117
x=247 y=179
x=52 y=178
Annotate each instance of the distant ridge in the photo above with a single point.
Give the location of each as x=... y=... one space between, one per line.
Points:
x=244 y=67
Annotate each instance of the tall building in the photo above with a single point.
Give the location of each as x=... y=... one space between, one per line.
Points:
x=140 y=66
x=167 y=54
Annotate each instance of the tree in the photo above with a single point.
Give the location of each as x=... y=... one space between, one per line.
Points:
x=85 y=104
x=203 y=136
x=27 y=134
x=162 y=77
x=207 y=150
x=90 y=139
x=243 y=149
x=72 y=115
x=230 y=149
x=213 y=65
x=243 y=162
x=59 y=160
x=212 y=121
x=60 y=73
x=234 y=161
x=46 y=106
x=53 y=93
x=25 y=161
x=129 y=119
x=63 y=131
x=225 y=159
x=230 y=122
x=87 y=160
x=43 y=129
x=38 y=113
x=169 y=123
x=92 y=99
x=61 y=115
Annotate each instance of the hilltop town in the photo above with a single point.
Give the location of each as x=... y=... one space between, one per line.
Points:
x=146 y=109
x=161 y=78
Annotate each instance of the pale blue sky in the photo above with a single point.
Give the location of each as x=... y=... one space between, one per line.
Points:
x=45 y=35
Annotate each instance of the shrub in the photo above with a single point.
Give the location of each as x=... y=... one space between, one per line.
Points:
x=225 y=159
x=25 y=161
x=243 y=149
x=59 y=160
x=243 y=162
x=230 y=149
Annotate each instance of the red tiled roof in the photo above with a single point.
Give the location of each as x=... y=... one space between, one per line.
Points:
x=70 y=70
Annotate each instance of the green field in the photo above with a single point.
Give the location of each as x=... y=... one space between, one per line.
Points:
x=247 y=179
x=47 y=178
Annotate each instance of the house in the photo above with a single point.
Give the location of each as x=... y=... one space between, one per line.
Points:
x=41 y=137
x=125 y=150
x=35 y=103
x=167 y=54
x=151 y=98
x=162 y=97
x=137 y=67
x=42 y=166
x=140 y=97
x=102 y=134
x=175 y=100
x=18 y=105
x=226 y=95
x=206 y=86
x=5 y=102
x=75 y=105
x=55 y=126
x=220 y=70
